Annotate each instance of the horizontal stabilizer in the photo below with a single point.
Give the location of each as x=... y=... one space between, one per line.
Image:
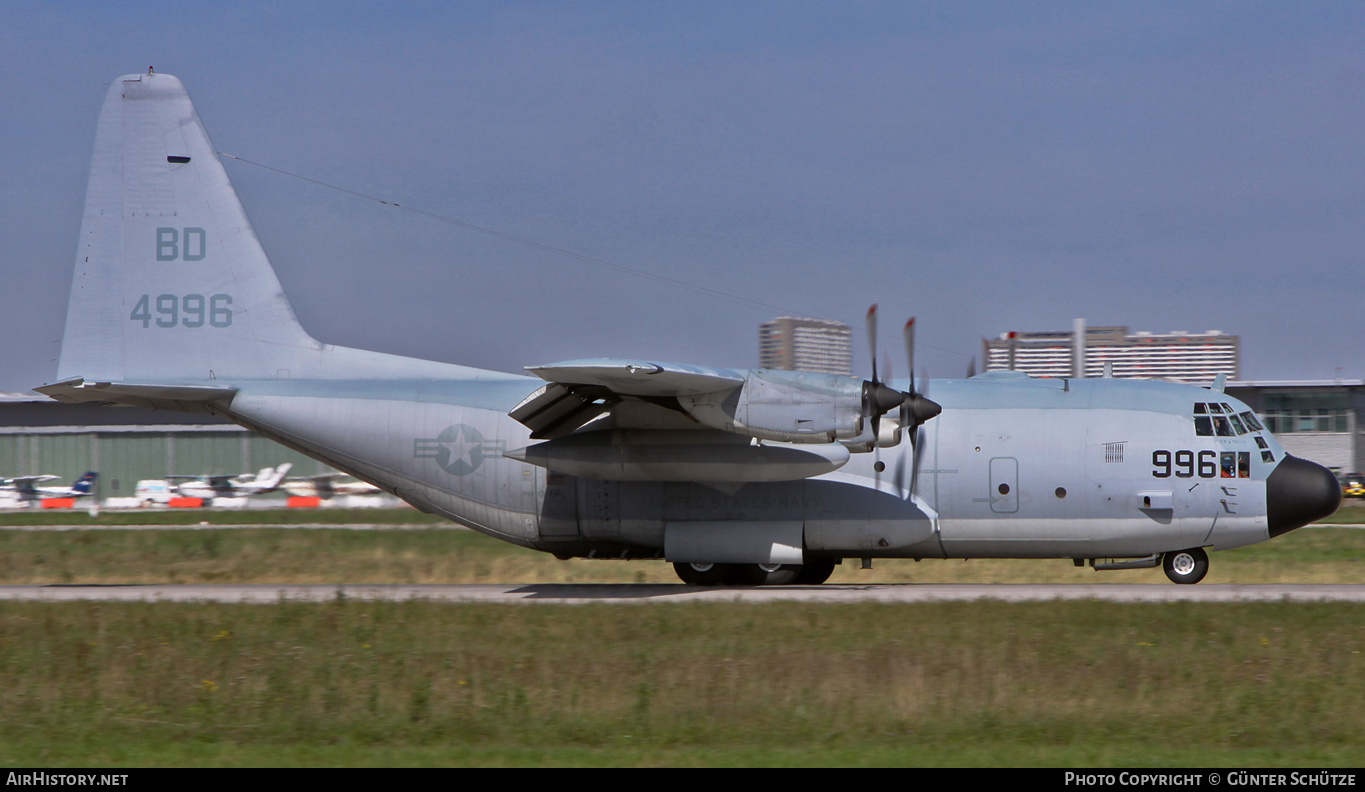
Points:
x=184 y=398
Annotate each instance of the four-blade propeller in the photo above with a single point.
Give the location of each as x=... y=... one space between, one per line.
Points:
x=914 y=407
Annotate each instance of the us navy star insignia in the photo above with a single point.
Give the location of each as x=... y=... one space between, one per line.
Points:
x=459 y=449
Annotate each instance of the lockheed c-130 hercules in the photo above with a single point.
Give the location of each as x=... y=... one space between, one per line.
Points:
x=748 y=477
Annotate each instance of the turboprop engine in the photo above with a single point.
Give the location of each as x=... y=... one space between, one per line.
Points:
x=787 y=406
x=586 y=397
x=809 y=407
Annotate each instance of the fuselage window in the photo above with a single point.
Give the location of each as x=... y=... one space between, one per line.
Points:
x=1203 y=427
x=1252 y=424
x=1235 y=464
x=1200 y=408
x=1237 y=424
x=1260 y=441
x=1215 y=409
x=1223 y=428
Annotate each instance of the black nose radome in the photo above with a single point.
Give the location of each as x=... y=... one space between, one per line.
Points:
x=1299 y=492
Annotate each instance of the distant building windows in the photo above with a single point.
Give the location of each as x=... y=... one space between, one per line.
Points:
x=1190 y=357
x=795 y=344
x=1296 y=413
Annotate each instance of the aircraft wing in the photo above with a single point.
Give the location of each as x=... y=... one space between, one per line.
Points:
x=580 y=391
x=639 y=377
x=24 y=483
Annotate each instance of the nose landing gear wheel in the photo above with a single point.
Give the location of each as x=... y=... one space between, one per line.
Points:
x=1186 y=566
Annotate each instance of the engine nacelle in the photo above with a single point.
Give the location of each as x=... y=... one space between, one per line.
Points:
x=888 y=436
x=788 y=406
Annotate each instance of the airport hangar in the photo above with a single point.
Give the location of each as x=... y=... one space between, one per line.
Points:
x=1318 y=420
x=128 y=444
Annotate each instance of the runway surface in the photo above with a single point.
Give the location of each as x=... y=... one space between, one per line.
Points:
x=580 y=594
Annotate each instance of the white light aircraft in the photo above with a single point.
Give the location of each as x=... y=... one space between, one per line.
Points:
x=25 y=489
x=239 y=486
x=735 y=476
x=327 y=486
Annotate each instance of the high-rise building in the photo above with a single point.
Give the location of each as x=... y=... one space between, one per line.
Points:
x=1085 y=351
x=793 y=344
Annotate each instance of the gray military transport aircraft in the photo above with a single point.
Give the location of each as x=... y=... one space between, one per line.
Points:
x=737 y=477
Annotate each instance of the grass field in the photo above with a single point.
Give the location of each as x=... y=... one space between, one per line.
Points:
x=959 y=684
x=351 y=683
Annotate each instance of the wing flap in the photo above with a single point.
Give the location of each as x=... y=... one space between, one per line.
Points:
x=556 y=410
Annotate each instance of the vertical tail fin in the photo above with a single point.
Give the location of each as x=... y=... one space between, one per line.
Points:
x=171 y=282
x=272 y=478
x=85 y=483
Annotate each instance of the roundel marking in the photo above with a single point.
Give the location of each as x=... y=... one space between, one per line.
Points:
x=459 y=449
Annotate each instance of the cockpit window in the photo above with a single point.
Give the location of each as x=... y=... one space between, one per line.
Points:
x=1215 y=419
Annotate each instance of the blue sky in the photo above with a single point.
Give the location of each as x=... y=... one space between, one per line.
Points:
x=985 y=166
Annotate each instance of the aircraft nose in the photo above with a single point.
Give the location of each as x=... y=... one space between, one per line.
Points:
x=1299 y=492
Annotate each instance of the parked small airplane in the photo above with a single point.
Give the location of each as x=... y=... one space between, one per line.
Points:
x=25 y=489
x=327 y=486
x=752 y=476
x=239 y=486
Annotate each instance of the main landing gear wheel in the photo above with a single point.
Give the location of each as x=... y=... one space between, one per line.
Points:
x=809 y=574
x=1186 y=566
x=703 y=574
x=766 y=574
x=815 y=572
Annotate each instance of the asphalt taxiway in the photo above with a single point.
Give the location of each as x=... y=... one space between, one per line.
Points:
x=578 y=594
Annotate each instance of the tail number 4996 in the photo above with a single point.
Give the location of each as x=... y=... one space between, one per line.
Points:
x=189 y=310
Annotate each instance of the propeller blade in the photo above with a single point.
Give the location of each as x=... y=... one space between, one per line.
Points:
x=872 y=338
x=914 y=463
x=910 y=351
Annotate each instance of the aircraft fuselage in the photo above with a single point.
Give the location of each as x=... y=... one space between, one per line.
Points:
x=1014 y=467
